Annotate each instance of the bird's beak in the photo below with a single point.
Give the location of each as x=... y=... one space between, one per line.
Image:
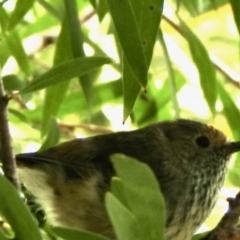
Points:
x=30 y=160
x=233 y=147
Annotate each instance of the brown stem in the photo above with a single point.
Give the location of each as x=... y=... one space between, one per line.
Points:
x=88 y=16
x=8 y=160
x=226 y=228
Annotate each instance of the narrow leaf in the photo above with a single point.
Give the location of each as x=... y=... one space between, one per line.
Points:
x=4 y=53
x=20 y=115
x=131 y=89
x=232 y=114
x=66 y=71
x=124 y=222
x=53 y=9
x=53 y=99
x=76 y=40
x=136 y=32
x=148 y=16
x=53 y=135
x=205 y=68
x=42 y=23
x=129 y=36
x=101 y=9
x=21 y=8
x=2 y=236
x=230 y=110
x=143 y=196
x=236 y=9
x=165 y=91
x=55 y=94
x=172 y=80
x=3 y=19
x=118 y=190
x=15 y=45
x=16 y=213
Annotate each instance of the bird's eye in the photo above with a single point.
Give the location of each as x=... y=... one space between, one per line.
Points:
x=202 y=142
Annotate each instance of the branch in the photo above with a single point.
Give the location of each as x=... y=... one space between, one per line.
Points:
x=226 y=228
x=8 y=160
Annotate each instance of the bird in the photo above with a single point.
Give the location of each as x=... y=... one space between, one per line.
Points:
x=188 y=158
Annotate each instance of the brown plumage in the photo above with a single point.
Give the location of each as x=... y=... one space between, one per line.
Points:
x=188 y=158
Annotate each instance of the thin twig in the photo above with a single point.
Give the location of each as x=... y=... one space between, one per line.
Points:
x=226 y=228
x=16 y=97
x=87 y=16
x=8 y=160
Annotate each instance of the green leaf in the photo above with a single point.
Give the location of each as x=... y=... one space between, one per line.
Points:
x=136 y=32
x=148 y=16
x=143 y=196
x=55 y=94
x=52 y=102
x=75 y=36
x=117 y=190
x=172 y=79
x=165 y=91
x=19 y=114
x=12 y=83
x=66 y=71
x=232 y=114
x=102 y=93
x=196 y=8
x=76 y=44
x=4 y=53
x=236 y=9
x=131 y=89
x=42 y=23
x=151 y=109
x=129 y=36
x=3 y=19
x=230 y=110
x=101 y=9
x=2 y=236
x=124 y=222
x=204 y=65
x=21 y=8
x=73 y=234
x=106 y=91
x=233 y=175
x=54 y=8
x=52 y=136
x=15 y=45
x=145 y=111
x=13 y=209
x=63 y=51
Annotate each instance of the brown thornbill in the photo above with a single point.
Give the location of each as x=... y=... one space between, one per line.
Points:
x=188 y=158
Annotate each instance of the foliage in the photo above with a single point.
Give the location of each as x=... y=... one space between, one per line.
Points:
x=76 y=68
x=135 y=213
x=14 y=211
